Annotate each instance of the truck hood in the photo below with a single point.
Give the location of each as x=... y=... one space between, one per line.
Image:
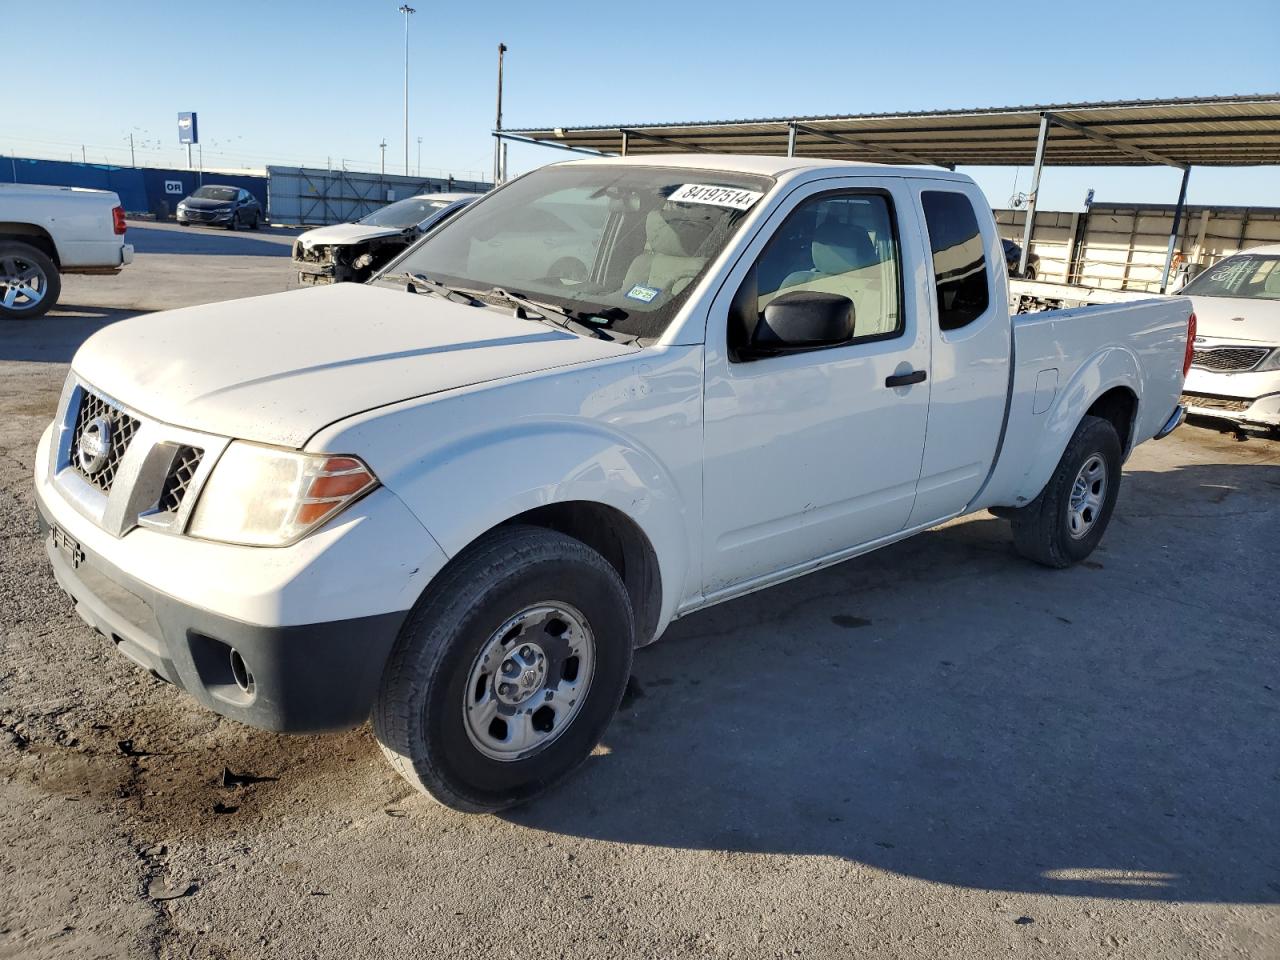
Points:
x=341 y=234
x=278 y=368
x=1237 y=318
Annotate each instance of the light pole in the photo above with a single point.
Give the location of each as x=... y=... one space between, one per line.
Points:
x=497 y=141
x=419 y=158
x=406 y=10
x=383 y=147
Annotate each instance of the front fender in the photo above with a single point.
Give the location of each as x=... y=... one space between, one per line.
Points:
x=1115 y=366
x=483 y=480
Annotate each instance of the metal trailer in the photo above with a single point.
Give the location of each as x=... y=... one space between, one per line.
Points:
x=316 y=196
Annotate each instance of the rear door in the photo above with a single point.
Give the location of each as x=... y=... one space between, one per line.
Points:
x=971 y=346
x=811 y=454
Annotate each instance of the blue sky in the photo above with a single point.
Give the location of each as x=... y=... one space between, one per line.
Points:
x=293 y=82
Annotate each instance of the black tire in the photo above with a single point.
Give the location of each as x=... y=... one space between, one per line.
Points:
x=1030 y=273
x=1042 y=530
x=257 y=218
x=27 y=263
x=419 y=714
x=234 y=222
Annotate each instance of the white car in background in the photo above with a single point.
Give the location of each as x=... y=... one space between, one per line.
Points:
x=354 y=251
x=48 y=231
x=1235 y=371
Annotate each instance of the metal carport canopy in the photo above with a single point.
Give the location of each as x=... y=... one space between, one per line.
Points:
x=1224 y=131
x=1241 y=130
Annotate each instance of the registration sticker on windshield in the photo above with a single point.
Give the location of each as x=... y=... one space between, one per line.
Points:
x=642 y=293
x=715 y=196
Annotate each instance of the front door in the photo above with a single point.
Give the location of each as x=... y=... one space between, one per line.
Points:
x=811 y=454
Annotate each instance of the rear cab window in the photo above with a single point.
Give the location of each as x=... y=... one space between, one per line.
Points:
x=959 y=258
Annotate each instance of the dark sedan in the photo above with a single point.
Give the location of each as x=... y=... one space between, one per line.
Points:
x=228 y=207
x=1013 y=253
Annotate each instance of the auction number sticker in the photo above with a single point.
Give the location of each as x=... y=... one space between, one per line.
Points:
x=715 y=196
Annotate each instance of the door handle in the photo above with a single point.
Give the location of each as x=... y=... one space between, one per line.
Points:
x=905 y=379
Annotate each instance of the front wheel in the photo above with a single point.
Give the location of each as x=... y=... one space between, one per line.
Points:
x=1065 y=523
x=508 y=671
x=29 y=282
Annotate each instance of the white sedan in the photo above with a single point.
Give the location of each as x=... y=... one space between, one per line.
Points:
x=1235 y=371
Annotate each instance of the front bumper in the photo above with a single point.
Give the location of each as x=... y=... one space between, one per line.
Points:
x=202 y=216
x=316 y=272
x=1248 y=398
x=313 y=623
x=295 y=679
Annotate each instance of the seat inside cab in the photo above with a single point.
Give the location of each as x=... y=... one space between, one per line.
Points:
x=670 y=259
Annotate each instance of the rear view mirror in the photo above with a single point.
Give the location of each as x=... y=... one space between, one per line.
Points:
x=804 y=320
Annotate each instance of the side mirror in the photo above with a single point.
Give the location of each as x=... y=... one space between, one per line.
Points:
x=804 y=320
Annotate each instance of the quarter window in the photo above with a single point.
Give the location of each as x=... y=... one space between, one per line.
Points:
x=959 y=262
x=843 y=244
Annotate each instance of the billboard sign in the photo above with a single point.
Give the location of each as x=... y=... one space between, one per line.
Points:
x=187 y=132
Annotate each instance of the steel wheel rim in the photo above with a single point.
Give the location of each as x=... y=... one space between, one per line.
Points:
x=529 y=681
x=22 y=284
x=1088 y=493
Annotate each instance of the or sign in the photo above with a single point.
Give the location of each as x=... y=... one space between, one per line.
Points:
x=187 y=129
x=174 y=186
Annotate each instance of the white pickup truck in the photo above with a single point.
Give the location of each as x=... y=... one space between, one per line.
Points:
x=456 y=498
x=49 y=231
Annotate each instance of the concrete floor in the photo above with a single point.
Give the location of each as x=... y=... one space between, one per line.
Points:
x=936 y=751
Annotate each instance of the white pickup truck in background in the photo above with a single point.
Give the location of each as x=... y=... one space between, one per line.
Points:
x=48 y=231
x=457 y=497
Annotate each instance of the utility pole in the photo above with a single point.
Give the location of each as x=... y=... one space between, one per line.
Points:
x=497 y=141
x=383 y=147
x=406 y=10
x=419 y=158
x=83 y=158
x=132 y=162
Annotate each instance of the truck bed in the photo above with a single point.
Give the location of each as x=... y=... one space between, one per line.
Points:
x=1064 y=357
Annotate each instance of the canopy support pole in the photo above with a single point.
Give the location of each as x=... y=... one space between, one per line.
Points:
x=791 y=139
x=1041 y=140
x=1177 y=225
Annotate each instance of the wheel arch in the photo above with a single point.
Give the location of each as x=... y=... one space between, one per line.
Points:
x=621 y=541
x=1105 y=385
x=33 y=235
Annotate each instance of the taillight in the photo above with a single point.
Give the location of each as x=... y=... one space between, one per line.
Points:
x=1191 y=343
x=117 y=220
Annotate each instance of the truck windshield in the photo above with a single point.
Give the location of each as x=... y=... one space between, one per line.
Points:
x=624 y=244
x=1250 y=276
x=404 y=213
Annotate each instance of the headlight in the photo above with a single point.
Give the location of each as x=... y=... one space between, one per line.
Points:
x=1270 y=362
x=268 y=497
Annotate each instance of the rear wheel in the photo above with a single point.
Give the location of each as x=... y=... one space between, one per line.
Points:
x=29 y=282
x=508 y=671
x=1065 y=523
x=257 y=217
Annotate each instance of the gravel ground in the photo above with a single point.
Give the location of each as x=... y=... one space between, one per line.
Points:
x=937 y=751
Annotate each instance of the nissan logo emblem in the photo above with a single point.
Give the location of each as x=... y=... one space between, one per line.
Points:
x=95 y=444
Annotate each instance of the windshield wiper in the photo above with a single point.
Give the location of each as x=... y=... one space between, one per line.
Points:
x=416 y=280
x=559 y=316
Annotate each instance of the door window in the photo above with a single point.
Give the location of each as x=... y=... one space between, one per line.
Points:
x=845 y=244
x=959 y=262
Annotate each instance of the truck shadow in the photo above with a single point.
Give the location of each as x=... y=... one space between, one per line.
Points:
x=947 y=711
x=55 y=337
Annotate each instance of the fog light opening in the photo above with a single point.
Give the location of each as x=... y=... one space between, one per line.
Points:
x=240 y=672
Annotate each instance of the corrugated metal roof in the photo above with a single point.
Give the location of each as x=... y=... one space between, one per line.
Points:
x=1240 y=130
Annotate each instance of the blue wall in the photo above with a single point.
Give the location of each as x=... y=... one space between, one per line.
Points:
x=142 y=190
